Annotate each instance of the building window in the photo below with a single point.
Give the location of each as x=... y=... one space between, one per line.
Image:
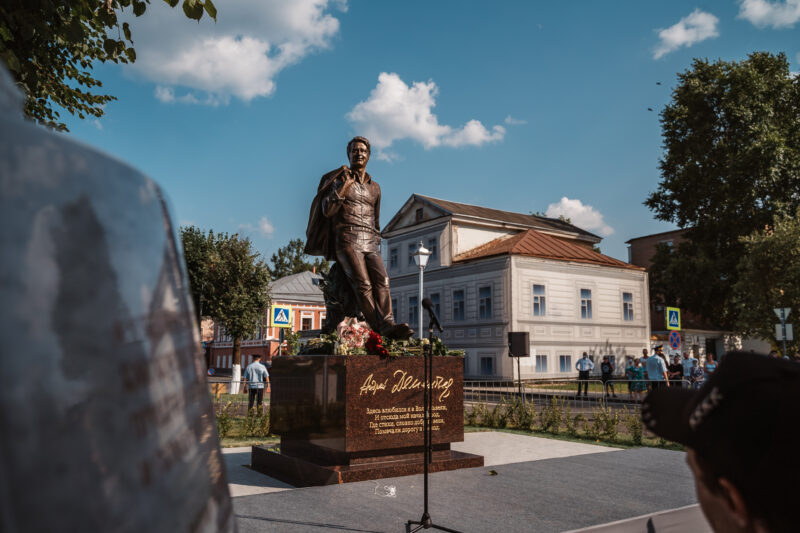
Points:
x=411 y=249
x=322 y=320
x=565 y=363
x=458 y=305
x=627 y=306
x=419 y=214
x=539 y=301
x=394 y=307
x=393 y=257
x=413 y=310
x=432 y=247
x=435 y=301
x=485 y=302
x=487 y=366
x=307 y=322
x=541 y=363
x=586 y=303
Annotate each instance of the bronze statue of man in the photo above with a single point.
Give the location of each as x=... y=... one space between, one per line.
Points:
x=344 y=226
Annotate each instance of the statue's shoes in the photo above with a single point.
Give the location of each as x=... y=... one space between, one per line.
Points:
x=397 y=331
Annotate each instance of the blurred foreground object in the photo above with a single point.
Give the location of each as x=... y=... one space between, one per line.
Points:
x=106 y=423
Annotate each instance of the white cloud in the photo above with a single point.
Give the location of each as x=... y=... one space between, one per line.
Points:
x=583 y=216
x=511 y=121
x=693 y=28
x=264 y=227
x=167 y=95
x=238 y=56
x=396 y=111
x=97 y=124
x=762 y=13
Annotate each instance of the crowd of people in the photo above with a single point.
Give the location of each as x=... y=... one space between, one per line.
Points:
x=648 y=372
x=652 y=371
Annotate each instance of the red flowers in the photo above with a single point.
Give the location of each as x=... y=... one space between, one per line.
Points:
x=375 y=346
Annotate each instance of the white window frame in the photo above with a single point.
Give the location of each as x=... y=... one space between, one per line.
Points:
x=581 y=301
x=537 y=367
x=542 y=302
x=627 y=306
x=434 y=249
x=453 y=291
x=487 y=310
x=487 y=355
x=413 y=308
x=306 y=314
x=437 y=304
x=570 y=366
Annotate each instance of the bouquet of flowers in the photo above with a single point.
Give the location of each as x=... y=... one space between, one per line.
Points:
x=353 y=335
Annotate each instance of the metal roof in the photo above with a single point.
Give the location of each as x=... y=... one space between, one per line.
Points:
x=509 y=217
x=302 y=287
x=536 y=244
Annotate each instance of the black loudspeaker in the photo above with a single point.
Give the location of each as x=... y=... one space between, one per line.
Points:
x=519 y=344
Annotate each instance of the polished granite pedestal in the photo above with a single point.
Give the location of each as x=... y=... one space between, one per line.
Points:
x=354 y=418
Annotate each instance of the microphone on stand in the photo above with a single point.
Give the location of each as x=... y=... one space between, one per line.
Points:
x=428 y=305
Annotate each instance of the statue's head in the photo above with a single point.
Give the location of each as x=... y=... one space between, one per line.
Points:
x=358 y=139
x=358 y=152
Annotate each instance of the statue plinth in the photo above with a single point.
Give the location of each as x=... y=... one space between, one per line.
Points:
x=354 y=418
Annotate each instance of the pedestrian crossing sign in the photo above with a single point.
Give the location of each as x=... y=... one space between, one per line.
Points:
x=281 y=316
x=673 y=318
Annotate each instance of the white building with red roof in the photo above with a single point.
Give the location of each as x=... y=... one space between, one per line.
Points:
x=493 y=272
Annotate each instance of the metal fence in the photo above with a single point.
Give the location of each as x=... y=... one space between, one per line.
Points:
x=234 y=404
x=620 y=395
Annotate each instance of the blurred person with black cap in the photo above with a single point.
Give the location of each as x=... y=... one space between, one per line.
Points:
x=742 y=430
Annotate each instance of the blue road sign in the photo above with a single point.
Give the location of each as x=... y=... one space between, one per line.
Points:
x=281 y=316
x=673 y=318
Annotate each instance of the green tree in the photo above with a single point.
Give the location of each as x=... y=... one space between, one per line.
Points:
x=731 y=163
x=50 y=47
x=198 y=253
x=769 y=277
x=231 y=279
x=240 y=281
x=291 y=259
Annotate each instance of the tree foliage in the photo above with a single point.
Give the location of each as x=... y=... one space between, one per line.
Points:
x=291 y=259
x=769 y=277
x=232 y=279
x=198 y=248
x=50 y=47
x=731 y=163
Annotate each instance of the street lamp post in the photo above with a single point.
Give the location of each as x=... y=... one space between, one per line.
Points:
x=421 y=259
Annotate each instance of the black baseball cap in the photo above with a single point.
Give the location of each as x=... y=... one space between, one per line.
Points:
x=744 y=423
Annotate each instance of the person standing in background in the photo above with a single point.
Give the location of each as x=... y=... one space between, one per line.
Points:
x=257 y=379
x=584 y=366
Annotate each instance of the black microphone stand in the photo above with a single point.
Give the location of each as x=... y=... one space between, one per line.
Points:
x=427 y=430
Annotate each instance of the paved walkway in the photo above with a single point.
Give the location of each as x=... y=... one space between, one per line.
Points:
x=541 y=485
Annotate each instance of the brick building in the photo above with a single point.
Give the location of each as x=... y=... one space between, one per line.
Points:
x=301 y=292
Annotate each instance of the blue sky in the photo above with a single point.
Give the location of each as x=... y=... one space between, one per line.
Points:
x=522 y=106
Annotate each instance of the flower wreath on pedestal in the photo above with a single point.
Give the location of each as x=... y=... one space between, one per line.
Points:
x=356 y=338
